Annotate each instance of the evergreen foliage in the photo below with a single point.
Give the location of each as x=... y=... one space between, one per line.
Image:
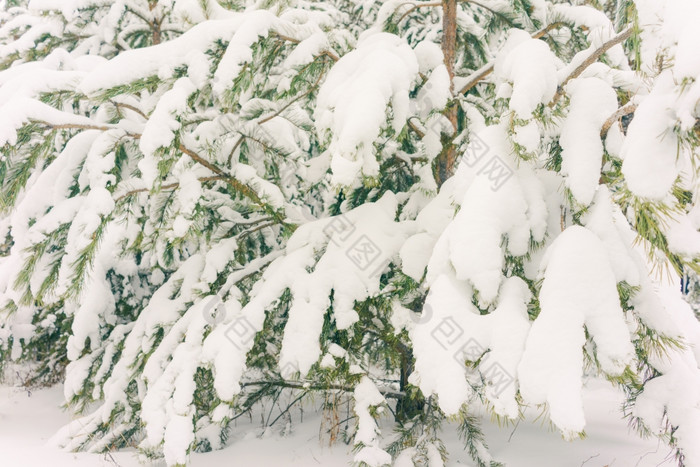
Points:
x=184 y=184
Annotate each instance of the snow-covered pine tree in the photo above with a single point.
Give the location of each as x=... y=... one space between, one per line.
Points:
x=407 y=205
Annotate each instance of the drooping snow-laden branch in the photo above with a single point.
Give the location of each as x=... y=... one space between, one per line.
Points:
x=477 y=76
x=308 y=106
x=591 y=59
x=121 y=105
x=326 y=52
x=77 y=126
x=241 y=187
x=237 y=185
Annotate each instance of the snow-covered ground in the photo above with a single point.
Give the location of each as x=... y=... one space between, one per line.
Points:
x=29 y=418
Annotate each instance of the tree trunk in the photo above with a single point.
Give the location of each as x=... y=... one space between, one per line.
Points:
x=407 y=407
x=155 y=25
x=446 y=159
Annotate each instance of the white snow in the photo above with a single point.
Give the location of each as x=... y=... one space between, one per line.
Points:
x=366 y=395
x=531 y=68
x=160 y=129
x=23 y=442
x=353 y=100
x=650 y=149
x=496 y=204
x=20 y=110
x=479 y=246
x=592 y=102
x=579 y=289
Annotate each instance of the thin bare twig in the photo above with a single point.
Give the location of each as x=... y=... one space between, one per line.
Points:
x=130 y=107
x=619 y=113
x=590 y=458
x=414 y=7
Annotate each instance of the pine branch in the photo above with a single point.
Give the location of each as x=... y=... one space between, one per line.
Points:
x=591 y=59
x=169 y=186
x=237 y=185
x=476 y=77
x=286 y=106
x=242 y=188
x=73 y=126
x=327 y=53
x=130 y=107
x=415 y=129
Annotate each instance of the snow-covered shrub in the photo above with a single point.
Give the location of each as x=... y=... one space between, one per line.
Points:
x=419 y=206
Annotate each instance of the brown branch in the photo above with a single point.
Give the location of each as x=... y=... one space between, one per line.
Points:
x=447 y=158
x=169 y=186
x=130 y=107
x=449 y=37
x=199 y=159
x=545 y=30
x=622 y=111
x=78 y=126
x=330 y=55
x=285 y=38
x=591 y=59
x=155 y=24
x=245 y=233
x=73 y=126
x=237 y=185
x=413 y=127
x=414 y=7
x=476 y=77
x=233 y=150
